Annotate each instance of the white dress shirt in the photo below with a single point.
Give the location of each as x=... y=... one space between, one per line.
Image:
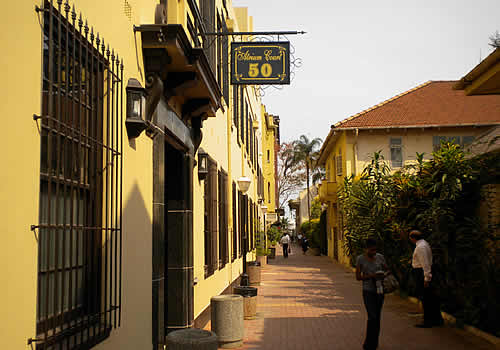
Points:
x=285 y=239
x=422 y=258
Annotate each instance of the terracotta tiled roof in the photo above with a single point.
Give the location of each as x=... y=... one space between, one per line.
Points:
x=433 y=103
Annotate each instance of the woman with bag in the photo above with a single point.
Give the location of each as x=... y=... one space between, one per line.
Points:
x=371 y=268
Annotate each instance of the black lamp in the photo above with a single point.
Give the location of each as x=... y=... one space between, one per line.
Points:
x=136 y=108
x=202 y=164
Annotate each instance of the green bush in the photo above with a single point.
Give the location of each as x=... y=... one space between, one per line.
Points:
x=273 y=234
x=311 y=229
x=439 y=197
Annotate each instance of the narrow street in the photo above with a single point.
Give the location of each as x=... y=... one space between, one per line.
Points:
x=308 y=302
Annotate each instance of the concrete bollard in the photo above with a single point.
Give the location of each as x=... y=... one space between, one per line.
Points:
x=253 y=270
x=249 y=295
x=227 y=320
x=192 y=339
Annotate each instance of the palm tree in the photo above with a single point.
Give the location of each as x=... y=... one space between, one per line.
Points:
x=305 y=152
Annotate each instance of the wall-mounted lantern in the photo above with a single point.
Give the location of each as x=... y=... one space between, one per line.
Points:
x=202 y=164
x=244 y=184
x=136 y=108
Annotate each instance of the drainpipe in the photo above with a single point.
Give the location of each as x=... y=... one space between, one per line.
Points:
x=355 y=151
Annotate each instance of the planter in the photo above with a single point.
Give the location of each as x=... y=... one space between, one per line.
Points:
x=253 y=271
x=262 y=259
x=273 y=252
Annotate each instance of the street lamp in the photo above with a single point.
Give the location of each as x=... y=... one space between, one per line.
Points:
x=136 y=108
x=244 y=184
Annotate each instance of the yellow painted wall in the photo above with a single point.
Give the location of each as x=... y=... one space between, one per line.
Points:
x=19 y=185
x=220 y=141
x=19 y=178
x=268 y=170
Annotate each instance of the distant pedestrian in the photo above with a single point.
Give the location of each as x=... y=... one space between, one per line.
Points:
x=426 y=284
x=285 y=243
x=305 y=244
x=370 y=268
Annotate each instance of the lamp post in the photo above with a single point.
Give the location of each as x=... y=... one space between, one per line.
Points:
x=244 y=184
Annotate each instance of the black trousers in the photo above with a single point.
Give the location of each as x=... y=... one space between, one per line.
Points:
x=285 y=250
x=430 y=301
x=373 y=305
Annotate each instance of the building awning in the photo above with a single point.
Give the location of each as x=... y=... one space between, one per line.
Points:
x=184 y=69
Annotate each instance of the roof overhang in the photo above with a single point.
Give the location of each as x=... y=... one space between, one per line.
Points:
x=184 y=69
x=484 y=79
x=327 y=146
x=427 y=126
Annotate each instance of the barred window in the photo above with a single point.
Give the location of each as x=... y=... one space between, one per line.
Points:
x=223 y=244
x=208 y=14
x=241 y=222
x=242 y=116
x=79 y=229
x=396 y=152
x=338 y=165
x=235 y=224
x=211 y=249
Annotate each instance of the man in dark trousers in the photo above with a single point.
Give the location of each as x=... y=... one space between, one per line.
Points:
x=422 y=265
x=285 y=242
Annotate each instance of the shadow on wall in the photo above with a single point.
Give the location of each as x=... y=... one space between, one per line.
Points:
x=135 y=331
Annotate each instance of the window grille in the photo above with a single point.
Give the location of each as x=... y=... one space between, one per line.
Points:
x=208 y=14
x=211 y=249
x=79 y=229
x=241 y=225
x=396 y=152
x=223 y=244
x=236 y=105
x=339 y=164
x=463 y=141
x=235 y=225
x=242 y=116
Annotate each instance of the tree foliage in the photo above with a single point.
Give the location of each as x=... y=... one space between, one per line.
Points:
x=290 y=174
x=305 y=153
x=439 y=197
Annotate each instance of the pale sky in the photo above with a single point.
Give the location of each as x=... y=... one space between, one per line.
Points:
x=359 y=53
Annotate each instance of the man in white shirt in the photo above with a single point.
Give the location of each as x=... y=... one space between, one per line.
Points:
x=285 y=243
x=422 y=265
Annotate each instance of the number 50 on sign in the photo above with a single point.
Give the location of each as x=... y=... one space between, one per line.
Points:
x=257 y=63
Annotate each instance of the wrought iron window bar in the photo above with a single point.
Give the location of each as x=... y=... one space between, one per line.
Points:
x=80 y=235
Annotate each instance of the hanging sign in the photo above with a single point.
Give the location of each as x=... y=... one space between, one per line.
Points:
x=260 y=63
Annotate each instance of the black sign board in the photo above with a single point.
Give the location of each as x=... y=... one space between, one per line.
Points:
x=260 y=63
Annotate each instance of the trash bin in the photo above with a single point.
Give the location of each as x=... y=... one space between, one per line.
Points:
x=253 y=271
x=249 y=295
x=227 y=320
x=192 y=339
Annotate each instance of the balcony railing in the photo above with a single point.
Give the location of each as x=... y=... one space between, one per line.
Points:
x=328 y=191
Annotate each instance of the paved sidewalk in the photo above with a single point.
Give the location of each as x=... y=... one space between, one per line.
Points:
x=308 y=302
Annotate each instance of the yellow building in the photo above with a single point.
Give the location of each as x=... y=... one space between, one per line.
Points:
x=126 y=156
x=270 y=130
x=414 y=121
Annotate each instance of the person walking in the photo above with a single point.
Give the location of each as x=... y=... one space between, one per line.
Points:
x=370 y=268
x=305 y=244
x=422 y=265
x=285 y=243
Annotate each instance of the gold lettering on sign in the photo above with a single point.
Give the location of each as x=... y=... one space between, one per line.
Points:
x=269 y=57
x=247 y=56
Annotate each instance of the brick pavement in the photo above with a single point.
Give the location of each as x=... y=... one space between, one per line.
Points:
x=308 y=302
